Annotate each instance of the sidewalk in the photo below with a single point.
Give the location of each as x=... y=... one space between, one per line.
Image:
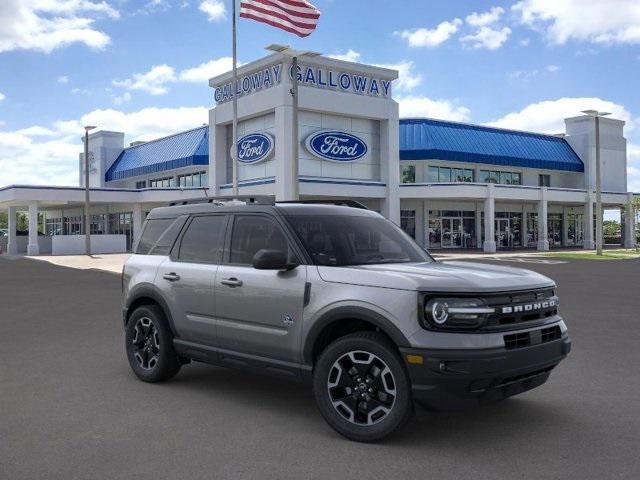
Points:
x=112 y=262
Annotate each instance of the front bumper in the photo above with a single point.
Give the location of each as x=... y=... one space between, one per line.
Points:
x=455 y=379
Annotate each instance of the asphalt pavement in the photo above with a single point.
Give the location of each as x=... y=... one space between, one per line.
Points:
x=70 y=408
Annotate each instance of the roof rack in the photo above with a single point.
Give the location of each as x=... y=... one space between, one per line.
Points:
x=220 y=200
x=330 y=201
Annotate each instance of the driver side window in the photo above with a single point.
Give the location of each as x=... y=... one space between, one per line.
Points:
x=252 y=233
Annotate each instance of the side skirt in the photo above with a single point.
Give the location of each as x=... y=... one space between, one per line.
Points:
x=243 y=361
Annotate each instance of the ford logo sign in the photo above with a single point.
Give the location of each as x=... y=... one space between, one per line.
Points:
x=336 y=146
x=255 y=148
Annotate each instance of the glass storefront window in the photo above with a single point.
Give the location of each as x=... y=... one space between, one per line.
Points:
x=532 y=229
x=435 y=229
x=575 y=229
x=445 y=175
x=432 y=174
x=408 y=174
x=408 y=222
x=504 y=178
x=554 y=229
x=452 y=229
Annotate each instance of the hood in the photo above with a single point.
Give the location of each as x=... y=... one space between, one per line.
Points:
x=438 y=277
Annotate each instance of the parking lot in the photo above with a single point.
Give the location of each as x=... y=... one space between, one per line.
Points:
x=71 y=409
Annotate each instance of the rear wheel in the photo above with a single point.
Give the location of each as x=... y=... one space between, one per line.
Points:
x=362 y=388
x=149 y=345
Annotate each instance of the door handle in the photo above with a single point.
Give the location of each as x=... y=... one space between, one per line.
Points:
x=172 y=277
x=231 y=282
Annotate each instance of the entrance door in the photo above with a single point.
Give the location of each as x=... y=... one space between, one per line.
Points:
x=451 y=233
x=504 y=237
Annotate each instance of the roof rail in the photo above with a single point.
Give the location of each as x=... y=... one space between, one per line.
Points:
x=220 y=200
x=331 y=201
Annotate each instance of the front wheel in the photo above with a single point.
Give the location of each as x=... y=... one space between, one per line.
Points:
x=149 y=345
x=362 y=388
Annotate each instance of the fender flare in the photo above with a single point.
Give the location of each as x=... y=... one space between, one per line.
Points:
x=149 y=291
x=351 y=312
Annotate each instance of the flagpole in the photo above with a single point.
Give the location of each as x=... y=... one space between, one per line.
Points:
x=234 y=144
x=295 y=194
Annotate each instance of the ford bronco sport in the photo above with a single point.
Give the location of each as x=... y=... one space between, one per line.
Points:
x=340 y=297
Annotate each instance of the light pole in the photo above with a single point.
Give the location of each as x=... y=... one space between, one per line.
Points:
x=295 y=146
x=596 y=114
x=87 y=217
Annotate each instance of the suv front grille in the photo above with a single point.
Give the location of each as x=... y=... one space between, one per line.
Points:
x=534 y=337
x=521 y=307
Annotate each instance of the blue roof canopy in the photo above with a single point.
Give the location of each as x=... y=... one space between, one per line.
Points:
x=176 y=151
x=427 y=139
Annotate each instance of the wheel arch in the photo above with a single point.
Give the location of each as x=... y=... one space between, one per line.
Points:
x=348 y=317
x=147 y=295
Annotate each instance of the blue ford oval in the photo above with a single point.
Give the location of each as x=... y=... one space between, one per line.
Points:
x=254 y=148
x=336 y=146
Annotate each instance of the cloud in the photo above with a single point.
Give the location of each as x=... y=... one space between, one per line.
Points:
x=154 y=81
x=527 y=75
x=488 y=38
x=420 y=106
x=407 y=78
x=22 y=152
x=593 y=21
x=120 y=99
x=350 y=56
x=203 y=72
x=214 y=9
x=63 y=79
x=424 y=37
x=548 y=116
x=2 y=96
x=45 y=25
x=486 y=18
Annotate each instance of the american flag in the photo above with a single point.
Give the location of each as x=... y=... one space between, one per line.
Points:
x=294 y=16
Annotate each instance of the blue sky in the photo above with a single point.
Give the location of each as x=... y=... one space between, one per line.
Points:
x=142 y=66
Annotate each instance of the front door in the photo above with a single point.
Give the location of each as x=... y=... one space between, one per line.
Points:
x=187 y=278
x=504 y=238
x=451 y=233
x=259 y=311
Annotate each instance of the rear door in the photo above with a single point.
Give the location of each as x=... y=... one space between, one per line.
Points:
x=187 y=277
x=259 y=312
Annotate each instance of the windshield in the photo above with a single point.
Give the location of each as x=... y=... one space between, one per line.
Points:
x=341 y=240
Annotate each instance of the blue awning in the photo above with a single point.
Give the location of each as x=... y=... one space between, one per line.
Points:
x=427 y=139
x=176 y=151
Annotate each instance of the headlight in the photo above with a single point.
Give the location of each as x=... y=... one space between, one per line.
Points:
x=456 y=312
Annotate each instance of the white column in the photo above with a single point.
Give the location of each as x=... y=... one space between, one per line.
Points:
x=389 y=163
x=12 y=245
x=629 y=224
x=284 y=155
x=589 y=242
x=33 y=248
x=137 y=222
x=489 y=245
x=478 y=226
x=543 y=240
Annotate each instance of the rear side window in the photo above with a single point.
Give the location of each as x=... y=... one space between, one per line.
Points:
x=153 y=230
x=253 y=233
x=202 y=242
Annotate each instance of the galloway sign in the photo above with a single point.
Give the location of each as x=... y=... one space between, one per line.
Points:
x=336 y=146
x=331 y=79
x=255 y=148
x=248 y=84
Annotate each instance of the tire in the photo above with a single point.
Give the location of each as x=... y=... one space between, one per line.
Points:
x=362 y=388
x=149 y=345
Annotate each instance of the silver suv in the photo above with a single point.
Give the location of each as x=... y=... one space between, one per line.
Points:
x=340 y=297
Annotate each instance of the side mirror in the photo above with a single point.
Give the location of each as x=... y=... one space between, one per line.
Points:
x=272 y=260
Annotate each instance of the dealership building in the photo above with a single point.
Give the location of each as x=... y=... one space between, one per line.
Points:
x=449 y=185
